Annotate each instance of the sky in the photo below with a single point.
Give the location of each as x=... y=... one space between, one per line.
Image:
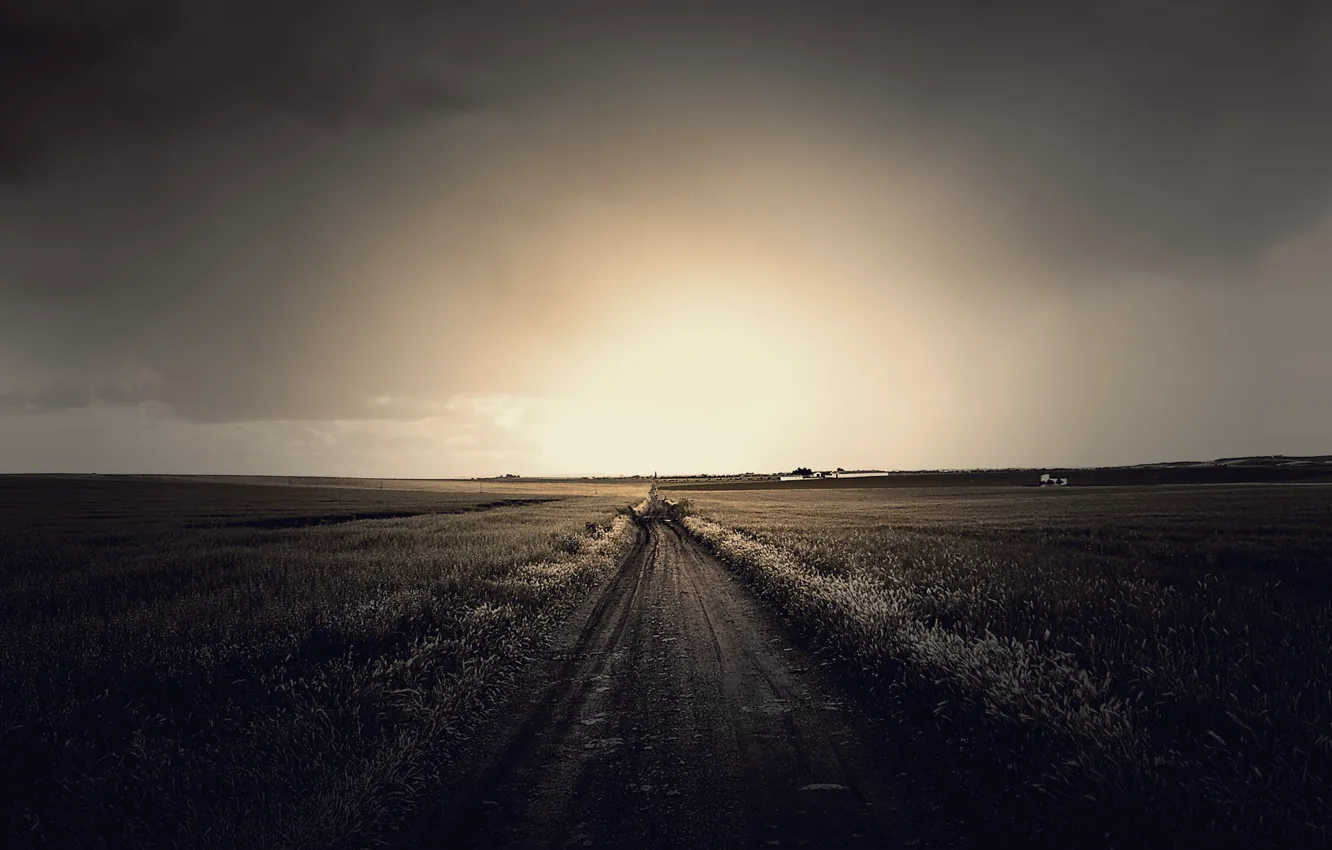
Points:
x=420 y=239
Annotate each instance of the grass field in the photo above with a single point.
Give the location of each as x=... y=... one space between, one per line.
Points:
x=1133 y=664
x=198 y=664
x=251 y=664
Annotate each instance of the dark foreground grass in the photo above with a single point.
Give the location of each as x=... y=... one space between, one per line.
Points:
x=1123 y=667
x=195 y=665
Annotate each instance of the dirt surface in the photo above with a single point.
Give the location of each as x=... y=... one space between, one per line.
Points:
x=676 y=716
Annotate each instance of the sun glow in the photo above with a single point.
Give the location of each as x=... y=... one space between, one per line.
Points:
x=690 y=376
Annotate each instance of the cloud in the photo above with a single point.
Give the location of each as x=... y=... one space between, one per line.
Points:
x=46 y=400
x=1179 y=137
x=78 y=434
x=134 y=72
x=124 y=384
x=353 y=212
x=1123 y=137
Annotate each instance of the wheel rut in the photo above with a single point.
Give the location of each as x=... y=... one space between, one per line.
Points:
x=680 y=717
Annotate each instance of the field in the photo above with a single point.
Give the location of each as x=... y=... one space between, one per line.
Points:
x=269 y=663
x=1131 y=666
x=196 y=664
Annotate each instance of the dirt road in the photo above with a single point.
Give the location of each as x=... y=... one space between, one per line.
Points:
x=678 y=716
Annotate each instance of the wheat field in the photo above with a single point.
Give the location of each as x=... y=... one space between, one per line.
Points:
x=1128 y=663
x=199 y=664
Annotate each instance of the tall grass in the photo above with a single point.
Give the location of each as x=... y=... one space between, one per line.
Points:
x=1140 y=666
x=167 y=680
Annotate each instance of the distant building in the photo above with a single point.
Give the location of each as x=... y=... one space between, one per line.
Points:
x=804 y=474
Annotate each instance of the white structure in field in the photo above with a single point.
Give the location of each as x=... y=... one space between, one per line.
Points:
x=831 y=473
x=1049 y=481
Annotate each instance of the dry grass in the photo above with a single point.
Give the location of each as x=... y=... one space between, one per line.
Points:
x=178 y=669
x=1144 y=664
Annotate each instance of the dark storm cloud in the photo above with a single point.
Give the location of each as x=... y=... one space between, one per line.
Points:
x=1140 y=136
x=195 y=186
x=1130 y=135
x=72 y=396
x=45 y=400
x=80 y=73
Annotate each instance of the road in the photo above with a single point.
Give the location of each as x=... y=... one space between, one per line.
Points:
x=676 y=714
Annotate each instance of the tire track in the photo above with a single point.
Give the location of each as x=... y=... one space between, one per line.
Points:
x=681 y=718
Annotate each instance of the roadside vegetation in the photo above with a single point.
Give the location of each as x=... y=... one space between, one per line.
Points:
x=1123 y=667
x=656 y=506
x=213 y=665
